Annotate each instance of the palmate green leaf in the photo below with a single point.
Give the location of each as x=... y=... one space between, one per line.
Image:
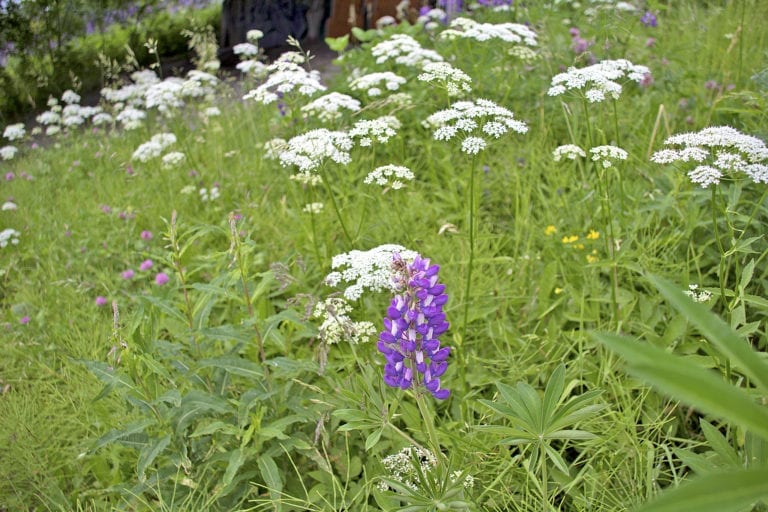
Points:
x=689 y=383
x=731 y=491
x=576 y=410
x=149 y=453
x=717 y=332
x=552 y=394
x=521 y=412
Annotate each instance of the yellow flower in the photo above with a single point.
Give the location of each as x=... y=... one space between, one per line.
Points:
x=550 y=230
x=579 y=246
x=558 y=290
x=592 y=258
x=570 y=239
x=593 y=235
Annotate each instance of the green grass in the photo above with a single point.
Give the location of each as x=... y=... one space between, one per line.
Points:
x=216 y=391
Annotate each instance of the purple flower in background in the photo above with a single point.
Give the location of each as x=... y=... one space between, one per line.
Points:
x=648 y=19
x=145 y=265
x=146 y=235
x=414 y=321
x=101 y=301
x=24 y=320
x=127 y=274
x=161 y=278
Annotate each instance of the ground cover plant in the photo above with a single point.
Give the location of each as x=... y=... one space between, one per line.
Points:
x=506 y=258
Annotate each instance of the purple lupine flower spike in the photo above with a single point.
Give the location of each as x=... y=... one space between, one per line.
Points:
x=415 y=320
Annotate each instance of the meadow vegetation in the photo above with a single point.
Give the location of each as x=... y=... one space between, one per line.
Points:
x=506 y=259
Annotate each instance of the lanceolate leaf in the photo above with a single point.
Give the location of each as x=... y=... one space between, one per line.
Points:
x=149 y=453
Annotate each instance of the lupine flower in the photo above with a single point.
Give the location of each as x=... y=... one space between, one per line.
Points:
x=161 y=278
x=452 y=79
x=607 y=155
x=415 y=320
x=366 y=270
x=330 y=106
x=514 y=33
x=146 y=265
x=599 y=80
x=382 y=175
x=101 y=301
x=374 y=84
x=569 y=151
x=404 y=50
x=719 y=151
x=648 y=19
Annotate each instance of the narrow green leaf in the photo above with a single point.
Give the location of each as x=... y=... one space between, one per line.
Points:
x=746 y=276
x=571 y=434
x=271 y=475
x=118 y=434
x=165 y=307
x=720 y=444
x=373 y=438
x=148 y=455
x=717 y=332
x=236 y=460
x=552 y=394
x=732 y=491
x=556 y=458
x=235 y=366
x=689 y=383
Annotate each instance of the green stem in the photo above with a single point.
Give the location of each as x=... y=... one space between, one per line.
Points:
x=544 y=477
x=472 y=228
x=721 y=265
x=429 y=423
x=336 y=207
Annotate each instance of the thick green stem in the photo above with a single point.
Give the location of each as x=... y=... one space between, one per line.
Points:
x=429 y=424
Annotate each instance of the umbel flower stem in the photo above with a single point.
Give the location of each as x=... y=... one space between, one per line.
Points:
x=472 y=207
x=721 y=266
x=336 y=207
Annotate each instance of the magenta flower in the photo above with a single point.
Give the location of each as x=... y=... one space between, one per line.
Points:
x=101 y=301
x=9 y=176
x=24 y=320
x=161 y=278
x=146 y=235
x=127 y=274
x=145 y=265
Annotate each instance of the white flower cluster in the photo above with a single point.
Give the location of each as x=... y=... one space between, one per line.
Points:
x=400 y=465
x=607 y=155
x=599 y=80
x=464 y=117
x=382 y=176
x=313 y=208
x=70 y=97
x=273 y=148
x=336 y=324
x=8 y=152
x=569 y=151
x=508 y=32
x=165 y=96
x=211 y=194
x=374 y=84
x=380 y=129
x=9 y=236
x=131 y=118
x=452 y=79
x=154 y=147
x=405 y=50
x=329 y=107
x=311 y=149
x=173 y=159
x=366 y=270
x=14 y=132
x=246 y=50
x=9 y=206
x=697 y=295
x=286 y=76
x=252 y=67
x=726 y=151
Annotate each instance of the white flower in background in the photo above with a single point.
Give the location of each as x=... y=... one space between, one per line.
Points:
x=380 y=129
x=173 y=159
x=8 y=152
x=697 y=295
x=14 y=132
x=313 y=208
x=131 y=118
x=507 y=32
x=385 y=21
x=598 y=81
x=9 y=236
x=253 y=36
x=252 y=67
x=154 y=147
x=246 y=50
x=329 y=107
x=382 y=176
x=70 y=121
x=69 y=97
x=366 y=270
x=607 y=155
x=405 y=50
x=52 y=102
x=569 y=151
x=400 y=465
x=102 y=118
x=310 y=150
x=466 y=118
x=209 y=194
x=198 y=84
x=374 y=84
x=720 y=151
x=337 y=326
x=452 y=79
x=165 y=96
x=188 y=190
x=52 y=130
x=434 y=17
x=8 y=206
x=286 y=77
x=273 y=148
x=49 y=117
x=212 y=112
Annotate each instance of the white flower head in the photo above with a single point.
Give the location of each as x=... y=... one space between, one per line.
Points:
x=313 y=208
x=9 y=206
x=310 y=150
x=254 y=35
x=14 y=132
x=514 y=33
x=246 y=50
x=607 y=155
x=452 y=79
x=69 y=97
x=381 y=129
x=131 y=118
x=366 y=270
x=401 y=465
x=404 y=50
x=696 y=294
x=569 y=151
x=173 y=159
x=376 y=84
x=209 y=194
x=8 y=152
x=391 y=176
x=330 y=106
x=286 y=77
x=719 y=151
x=154 y=147
x=598 y=81
x=9 y=236
x=337 y=326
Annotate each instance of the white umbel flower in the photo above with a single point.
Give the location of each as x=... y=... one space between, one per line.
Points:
x=607 y=155
x=391 y=176
x=375 y=84
x=366 y=270
x=173 y=159
x=452 y=79
x=330 y=106
x=404 y=50
x=286 y=77
x=514 y=33
x=598 y=81
x=569 y=151
x=14 y=132
x=8 y=152
x=310 y=150
x=380 y=129
x=337 y=326
x=9 y=236
x=154 y=147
